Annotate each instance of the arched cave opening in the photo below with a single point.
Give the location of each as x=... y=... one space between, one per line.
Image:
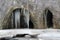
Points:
x=49 y=19
x=19 y=19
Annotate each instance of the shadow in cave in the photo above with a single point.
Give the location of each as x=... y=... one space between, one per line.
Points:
x=31 y=25
x=49 y=17
x=23 y=24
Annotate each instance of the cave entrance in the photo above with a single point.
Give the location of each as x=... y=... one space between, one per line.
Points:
x=48 y=19
x=18 y=19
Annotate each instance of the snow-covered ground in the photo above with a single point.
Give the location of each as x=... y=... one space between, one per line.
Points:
x=42 y=34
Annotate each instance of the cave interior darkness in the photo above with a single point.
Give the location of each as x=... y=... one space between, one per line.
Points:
x=49 y=17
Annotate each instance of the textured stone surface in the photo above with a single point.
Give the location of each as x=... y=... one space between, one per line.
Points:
x=35 y=6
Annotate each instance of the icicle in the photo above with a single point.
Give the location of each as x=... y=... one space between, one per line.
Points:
x=28 y=13
x=45 y=18
x=17 y=19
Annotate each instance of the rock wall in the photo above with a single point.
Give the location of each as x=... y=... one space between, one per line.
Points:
x=37 y=8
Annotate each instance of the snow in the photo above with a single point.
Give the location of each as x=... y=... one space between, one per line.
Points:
x=40 y=33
